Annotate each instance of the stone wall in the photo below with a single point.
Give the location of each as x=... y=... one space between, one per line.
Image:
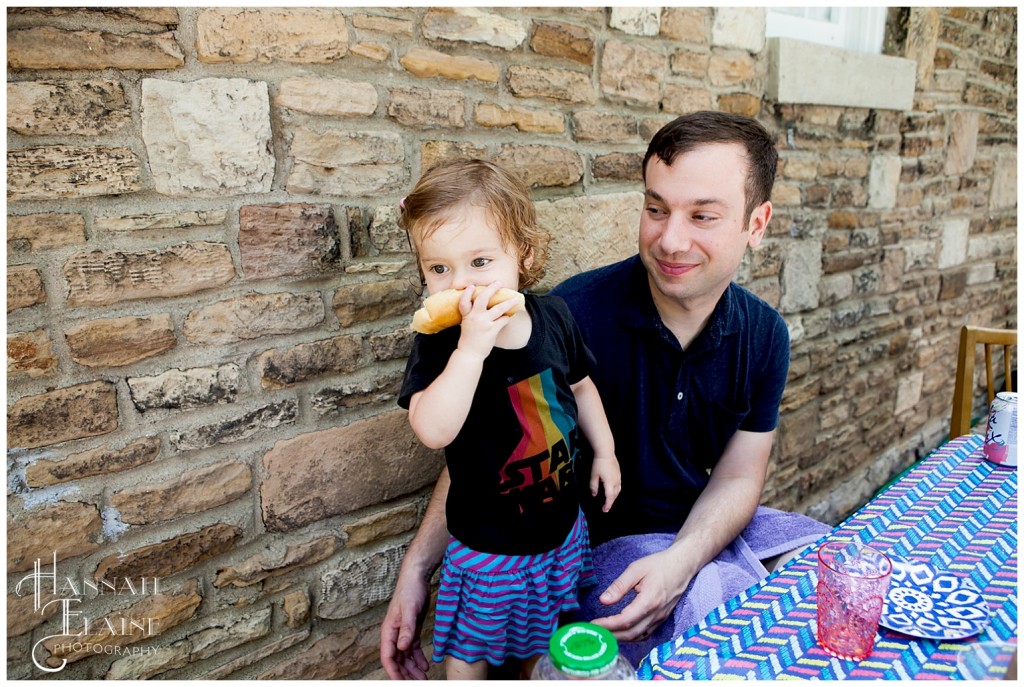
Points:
x=208 y=294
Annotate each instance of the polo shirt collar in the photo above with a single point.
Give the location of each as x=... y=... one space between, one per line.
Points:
x=644 y=315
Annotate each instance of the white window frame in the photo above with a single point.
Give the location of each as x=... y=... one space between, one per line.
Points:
x=861 y=29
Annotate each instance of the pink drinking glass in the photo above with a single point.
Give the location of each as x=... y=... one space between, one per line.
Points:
x=852 y=581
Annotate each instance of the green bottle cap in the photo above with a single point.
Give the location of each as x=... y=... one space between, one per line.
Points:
x=583 y=649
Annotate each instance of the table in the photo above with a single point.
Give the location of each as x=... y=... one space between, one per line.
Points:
x=953 y=510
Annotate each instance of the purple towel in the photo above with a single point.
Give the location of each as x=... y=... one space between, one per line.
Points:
x=770 y=533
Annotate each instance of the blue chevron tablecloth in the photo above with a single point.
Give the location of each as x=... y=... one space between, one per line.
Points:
x=953 y=510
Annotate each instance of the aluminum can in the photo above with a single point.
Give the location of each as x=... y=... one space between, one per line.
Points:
x=1001 y=434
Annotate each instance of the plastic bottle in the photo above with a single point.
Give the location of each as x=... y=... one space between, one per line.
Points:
x=583 y=651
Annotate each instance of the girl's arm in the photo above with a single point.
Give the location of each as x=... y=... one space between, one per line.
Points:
x=594 y=424
x=437 y=413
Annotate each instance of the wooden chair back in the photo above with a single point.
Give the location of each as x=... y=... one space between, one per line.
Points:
x=963 y=390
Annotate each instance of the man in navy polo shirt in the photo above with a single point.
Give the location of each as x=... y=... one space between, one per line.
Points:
x=691 y=369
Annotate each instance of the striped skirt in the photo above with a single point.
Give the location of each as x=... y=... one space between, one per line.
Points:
x=491 y=607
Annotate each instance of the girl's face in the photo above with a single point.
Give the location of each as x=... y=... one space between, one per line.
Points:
x=466 y=250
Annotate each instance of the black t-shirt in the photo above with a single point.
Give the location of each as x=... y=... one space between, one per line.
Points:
x=513 y=487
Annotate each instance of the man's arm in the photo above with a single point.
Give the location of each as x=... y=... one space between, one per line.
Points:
x=718 y=516
x=400 y=651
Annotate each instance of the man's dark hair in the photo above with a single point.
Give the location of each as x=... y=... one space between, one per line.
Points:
x=693 y=130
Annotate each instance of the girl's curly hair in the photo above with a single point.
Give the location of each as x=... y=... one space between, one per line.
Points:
x=448 y=185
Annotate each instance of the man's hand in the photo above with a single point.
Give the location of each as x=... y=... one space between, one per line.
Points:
x=400 y=651
x=659 y=582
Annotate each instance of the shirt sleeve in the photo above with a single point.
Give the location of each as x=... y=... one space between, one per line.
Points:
x=581 y=360
x=767 y=387
x=427 y=360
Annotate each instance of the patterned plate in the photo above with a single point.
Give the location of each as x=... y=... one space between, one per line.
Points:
x=933 y=604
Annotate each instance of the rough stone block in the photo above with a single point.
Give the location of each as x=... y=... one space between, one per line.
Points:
x=383 y=24
x=955 y=232
x=256 y=655
x=120 y=341
x=433 y=152
x=801 y=274
x=618 y=167
x=531 y=121
x=557 y=84
x=185 y=389
x=230 y=633
x=372 y=51
x=374 y=301
x=471 y=25
x=170 y=556
x=274 y=562
x=430 y=63
x=64 y=171
x=162 y=612
x=186 y=219
x=883 y=180
x=1004 y=182
x=67 y=529
x=632 y=73
x=346 y=163
x=428 y=109
x=53 y=417
x=539 y=165
x=281 y=368
x=588 y=232
x=266 y=34
x=568 y=41
x=295 y=606
x=636 y=21
x=686 y=24
x=287 y=240
x=107 y=277
x=591 y=125
x=254 y=316
x=156 y=660
x=30 y=354
x=235 y=429
x=327 y=96
x=680 y=98
x=740 y=103
x=208 y=138
x=381 y=524
x=45 y=230
x=731 y=69
x=77 y=108
x=332 y=401
x=334 y=657
x=689 y=63
x=22 y=614
x=192 y=492
x=339 y=470
x=360 y=585
x=47 y=47
x=391 y=345
x=98 y=461
x=739 y=27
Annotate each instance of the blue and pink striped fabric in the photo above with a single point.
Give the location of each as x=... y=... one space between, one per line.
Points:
x=491 y=606
x=954 y=510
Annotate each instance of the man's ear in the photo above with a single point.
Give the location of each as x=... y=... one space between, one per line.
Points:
x=758 y=223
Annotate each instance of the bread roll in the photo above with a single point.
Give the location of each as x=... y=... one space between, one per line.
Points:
x=441 y=310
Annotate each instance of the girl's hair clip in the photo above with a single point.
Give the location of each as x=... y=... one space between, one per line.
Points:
x=401 y=203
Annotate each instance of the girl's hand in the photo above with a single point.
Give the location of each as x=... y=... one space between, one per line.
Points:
x=480 y=324
x=605 y=470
